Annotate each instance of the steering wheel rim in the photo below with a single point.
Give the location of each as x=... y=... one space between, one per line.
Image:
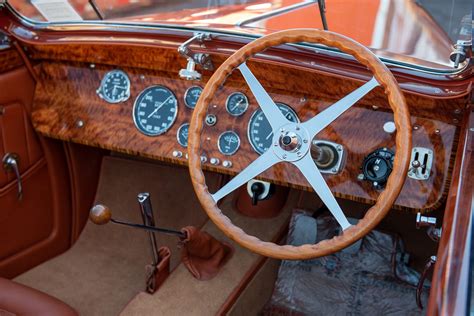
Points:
x=385 y=200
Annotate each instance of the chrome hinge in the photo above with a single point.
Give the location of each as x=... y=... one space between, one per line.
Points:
x=201 y=59
x=5 y=42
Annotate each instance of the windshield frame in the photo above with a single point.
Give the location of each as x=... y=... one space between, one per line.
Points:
x=90 y=25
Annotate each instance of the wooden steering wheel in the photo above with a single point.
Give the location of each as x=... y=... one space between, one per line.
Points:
x=291 y=144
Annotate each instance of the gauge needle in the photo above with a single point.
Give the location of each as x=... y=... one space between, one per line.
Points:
x=269 y=135
x=158 y=107
x=237 y=104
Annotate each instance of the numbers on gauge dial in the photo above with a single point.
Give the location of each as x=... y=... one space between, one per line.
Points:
x=191 y=96
x=237 y=103
x=260 y=132
x=228 y=143
x=182 y=135
x=114 y=87
x=155 y=110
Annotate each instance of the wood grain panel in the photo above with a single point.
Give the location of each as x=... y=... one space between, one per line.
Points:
x=276 y=76
x=9 y=59
x=66 y=95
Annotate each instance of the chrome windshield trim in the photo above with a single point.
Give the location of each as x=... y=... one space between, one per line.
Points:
x=126 y=26
x=275 y=13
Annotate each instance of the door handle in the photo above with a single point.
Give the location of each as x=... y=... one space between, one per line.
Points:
x=11 y=164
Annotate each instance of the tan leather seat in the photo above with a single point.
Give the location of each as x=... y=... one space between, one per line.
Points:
x=17 y=299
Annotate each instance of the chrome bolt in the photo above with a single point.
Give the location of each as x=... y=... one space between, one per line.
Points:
x=455 y=121
x=305 y=141
x=375 y=107
x=92 y=66
x=416 y=127
x=80 y=123
x=334 y=170
x=361 y=176
x=227 y=164
x=177 y=154
x=457 y=111
x=437 y=131
x=303 y=99
x=142 y=77
x=284 y=156
x=298 y=154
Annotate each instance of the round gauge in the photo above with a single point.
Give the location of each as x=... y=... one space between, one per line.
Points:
x=155 y=110
x=115 y=87
x=260 y=132
x=228 y=143
x=191 y=96
x=237 y=103
x=182 y=135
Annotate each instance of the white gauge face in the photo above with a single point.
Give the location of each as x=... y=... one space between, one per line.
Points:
x=228 y=143
x=237 y=103
x=155 y=110
x=115 y=87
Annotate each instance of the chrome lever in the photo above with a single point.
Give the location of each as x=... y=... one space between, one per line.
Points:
x=11 y=164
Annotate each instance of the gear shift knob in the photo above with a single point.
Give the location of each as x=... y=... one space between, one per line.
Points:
x=100 y=214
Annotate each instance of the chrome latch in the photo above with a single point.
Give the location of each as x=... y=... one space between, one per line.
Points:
x=201 y=59
x=430 y=223
x=421 y=163
x=11 y=164
x=463 y=47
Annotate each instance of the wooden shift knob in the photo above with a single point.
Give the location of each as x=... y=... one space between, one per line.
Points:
x=100 y=214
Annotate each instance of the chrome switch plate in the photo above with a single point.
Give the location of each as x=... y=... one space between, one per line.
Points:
x=421 y=163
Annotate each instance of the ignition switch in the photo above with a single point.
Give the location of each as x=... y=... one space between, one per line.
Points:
x=377 y=167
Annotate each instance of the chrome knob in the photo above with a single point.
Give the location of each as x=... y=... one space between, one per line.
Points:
x=227 y=164
x=214 y=161
x=177 y=154
x=203 y=159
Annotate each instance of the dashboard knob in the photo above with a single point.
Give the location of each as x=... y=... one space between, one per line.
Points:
x=214 y=161
x=389 y=127
x=177 y=154
x=203 y=159
x=377 y=167
x=227 y=164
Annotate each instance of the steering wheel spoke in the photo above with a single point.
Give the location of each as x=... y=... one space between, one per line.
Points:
x=268 y=106
x=326 y=117
x=313 y=175
x=258 y=166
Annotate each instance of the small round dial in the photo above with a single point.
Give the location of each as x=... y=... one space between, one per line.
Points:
x=114 y=87
x=155 y=110
x=260 y=132
x=377 y=167
x=237 y=103
x=228 y=143
x=182 y=135
x=191 y=96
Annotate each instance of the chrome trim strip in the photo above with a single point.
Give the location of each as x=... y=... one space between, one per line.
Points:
x=274 y=13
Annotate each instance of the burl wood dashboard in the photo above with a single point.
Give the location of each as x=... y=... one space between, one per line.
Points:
x=67 y=107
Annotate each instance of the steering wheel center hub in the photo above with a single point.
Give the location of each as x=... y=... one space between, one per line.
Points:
x=291 y=142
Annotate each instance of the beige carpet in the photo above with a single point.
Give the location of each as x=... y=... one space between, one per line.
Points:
x=181 y=294
x=105 y=269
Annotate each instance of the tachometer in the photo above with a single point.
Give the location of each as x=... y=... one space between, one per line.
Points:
x=260 y=132
x=114 y=87
x=155 y=110
x=228 y=143
x=237 y=103
x=191 y=96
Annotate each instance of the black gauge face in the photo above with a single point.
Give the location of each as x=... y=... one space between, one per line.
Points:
x=237 y=103
x=115 y=87
x=228 y=143
x=191 y=96
x=182 y=135
x=155 y=110
x=260 y=132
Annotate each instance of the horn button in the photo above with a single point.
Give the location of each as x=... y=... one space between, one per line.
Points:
x=291 y=143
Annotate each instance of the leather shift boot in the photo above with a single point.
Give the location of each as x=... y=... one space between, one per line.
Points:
x=202 y=254
x=156 y=275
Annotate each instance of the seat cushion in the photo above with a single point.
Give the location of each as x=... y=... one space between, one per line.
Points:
x=17 y=299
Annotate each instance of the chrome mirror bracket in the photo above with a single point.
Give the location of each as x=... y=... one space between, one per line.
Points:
x=201 y=59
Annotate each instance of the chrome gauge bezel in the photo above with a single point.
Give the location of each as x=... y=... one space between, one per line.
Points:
x=228 y=100
x=252 y=118
x=103 y=96
x=219 y=143
x=186 y=93
x=135 y=105
x=179 y=131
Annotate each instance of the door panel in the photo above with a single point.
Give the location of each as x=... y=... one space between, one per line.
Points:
x=38 y=226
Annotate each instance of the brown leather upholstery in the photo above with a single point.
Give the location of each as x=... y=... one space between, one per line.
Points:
x=17 y=299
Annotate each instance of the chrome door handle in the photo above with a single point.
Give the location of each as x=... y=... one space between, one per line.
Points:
x=11 y=164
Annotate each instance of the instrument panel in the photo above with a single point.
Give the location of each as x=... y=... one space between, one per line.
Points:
x=73 y=111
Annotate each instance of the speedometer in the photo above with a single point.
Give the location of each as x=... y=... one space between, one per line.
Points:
x=260 y=132
x=155 y=110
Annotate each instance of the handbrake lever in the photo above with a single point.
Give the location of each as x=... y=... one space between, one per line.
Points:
x=101 y=215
